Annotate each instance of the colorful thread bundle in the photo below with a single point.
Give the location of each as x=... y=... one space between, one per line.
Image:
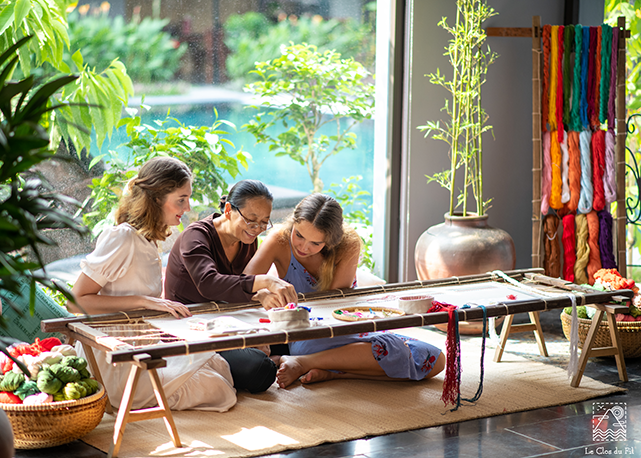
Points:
x=578 y=174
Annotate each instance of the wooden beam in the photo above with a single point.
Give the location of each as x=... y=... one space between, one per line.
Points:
x=509 y=31
x=621 y=132
x=537 y=220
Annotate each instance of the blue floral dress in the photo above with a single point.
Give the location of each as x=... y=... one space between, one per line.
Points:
x=399 y=356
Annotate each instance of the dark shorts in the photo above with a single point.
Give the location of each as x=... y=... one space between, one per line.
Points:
x=251 y=369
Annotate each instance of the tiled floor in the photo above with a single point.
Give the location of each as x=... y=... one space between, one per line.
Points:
x=558 y=432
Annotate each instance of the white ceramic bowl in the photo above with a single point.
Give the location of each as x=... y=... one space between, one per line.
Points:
x=415 y=304
x=286 y=319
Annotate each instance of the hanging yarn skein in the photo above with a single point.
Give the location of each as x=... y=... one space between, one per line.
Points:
x=592 y=33
x=575 y=116
x=545 y=35
x=613 y=76
x=554 y=74
x=555 y=147
x=559 y=85
x=594 y=259
x=594 y=119
x=574 y=170
x=582 y=249
x=569 y=242
x=587 y=192
x=565 y=171
x=609 y=177
x=585 y=49
x=606 y=53
x=568 y=40
x=605 y=240
x=552 y=260
x=598 y=169
x=546 y=174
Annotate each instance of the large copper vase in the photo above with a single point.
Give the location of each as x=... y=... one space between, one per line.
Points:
x=463 y=245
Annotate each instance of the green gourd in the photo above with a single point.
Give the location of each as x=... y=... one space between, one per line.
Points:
x=59 y=396
x=76 y=362
x=48 y=382
x=28 y=388
x=74 y=390
x=90 y=384
x=84 y=373
x=66 y=374
x=11 y=381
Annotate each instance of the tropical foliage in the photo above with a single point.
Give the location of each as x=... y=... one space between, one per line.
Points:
x=150 y=54
x=95 y=98
x=251 y=37
x=317 y=98
x=631 y=11
x=357 y=213
x=28 y=208
x=203 y=149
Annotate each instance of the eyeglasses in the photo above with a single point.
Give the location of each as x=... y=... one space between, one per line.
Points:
x=253 y=225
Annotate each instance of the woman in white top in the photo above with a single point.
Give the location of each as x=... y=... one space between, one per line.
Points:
x=124 y=272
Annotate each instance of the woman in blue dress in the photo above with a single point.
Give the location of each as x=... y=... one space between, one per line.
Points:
x=316 y=251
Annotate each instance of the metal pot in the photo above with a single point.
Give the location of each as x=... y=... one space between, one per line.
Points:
x=463 y=245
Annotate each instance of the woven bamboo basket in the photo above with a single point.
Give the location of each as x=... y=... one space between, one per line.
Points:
x=57 y=423
x=629 y=334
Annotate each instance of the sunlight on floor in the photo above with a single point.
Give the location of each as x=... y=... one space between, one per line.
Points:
x=258 y=438
x=196 y=448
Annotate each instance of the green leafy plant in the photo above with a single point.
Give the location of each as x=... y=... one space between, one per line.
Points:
x=95 y=97
x=203 y=149
x=150 y=54
x=28 y=209
x=251 y=37
x=470 y=58
x=631 y=10
x=304 y=91
x=357 y=213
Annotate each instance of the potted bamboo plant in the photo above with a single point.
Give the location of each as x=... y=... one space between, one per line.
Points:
x=464 y=244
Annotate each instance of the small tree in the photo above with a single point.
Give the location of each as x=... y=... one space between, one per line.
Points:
x=304 y=91
x=470 y=58
x=202 y=148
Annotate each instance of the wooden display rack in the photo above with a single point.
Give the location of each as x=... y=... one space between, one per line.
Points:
x=535 y=33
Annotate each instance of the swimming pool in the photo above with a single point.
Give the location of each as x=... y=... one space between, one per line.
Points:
x=277 y=171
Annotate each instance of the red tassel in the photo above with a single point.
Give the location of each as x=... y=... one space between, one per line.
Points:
x=452 y=382
x=569 y=242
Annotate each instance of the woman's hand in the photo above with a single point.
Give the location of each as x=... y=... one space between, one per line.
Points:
x=284 y=292
x=267 y=299
x=177 y=309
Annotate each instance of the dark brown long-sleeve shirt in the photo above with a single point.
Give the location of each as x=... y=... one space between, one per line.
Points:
x=198 y=269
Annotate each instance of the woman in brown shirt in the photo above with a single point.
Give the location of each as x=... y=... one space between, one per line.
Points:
x=206 y=264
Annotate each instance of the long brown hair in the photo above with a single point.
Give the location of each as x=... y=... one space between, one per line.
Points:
x=326 y=215
x=142 y=205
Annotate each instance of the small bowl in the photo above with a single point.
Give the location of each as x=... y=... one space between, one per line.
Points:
x=415 y=304
x=286 y=319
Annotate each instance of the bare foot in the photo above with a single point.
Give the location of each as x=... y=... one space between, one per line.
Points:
x=289 y=371
x=318 y=375
x=276 y=359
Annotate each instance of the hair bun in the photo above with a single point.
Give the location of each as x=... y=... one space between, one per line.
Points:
x=222 y=202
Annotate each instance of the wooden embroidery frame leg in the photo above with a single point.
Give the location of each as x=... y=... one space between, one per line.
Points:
x=614 y=350
x=510 y=328
x=127 y=415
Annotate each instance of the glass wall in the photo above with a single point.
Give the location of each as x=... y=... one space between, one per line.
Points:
x=190 y=57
